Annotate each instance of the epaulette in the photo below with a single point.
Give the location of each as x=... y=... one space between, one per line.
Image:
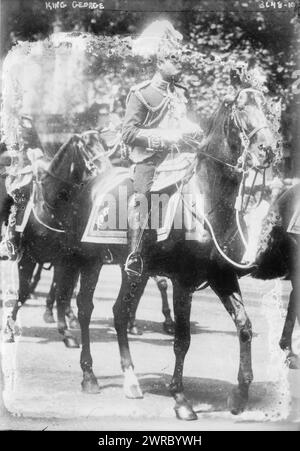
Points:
x=136 y=88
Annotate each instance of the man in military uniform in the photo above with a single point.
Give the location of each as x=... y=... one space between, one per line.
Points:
x=155 y=120
x=27 y=150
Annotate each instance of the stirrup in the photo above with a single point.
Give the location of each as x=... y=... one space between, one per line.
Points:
x=134 y=274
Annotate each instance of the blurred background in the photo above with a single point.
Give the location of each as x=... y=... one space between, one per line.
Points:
x=82 y=82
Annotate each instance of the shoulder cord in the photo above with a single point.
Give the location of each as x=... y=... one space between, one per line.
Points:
x=147 y=105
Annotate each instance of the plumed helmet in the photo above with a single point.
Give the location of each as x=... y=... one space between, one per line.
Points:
x=159 y=39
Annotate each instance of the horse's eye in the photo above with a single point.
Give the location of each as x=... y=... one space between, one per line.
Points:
x=261 y=146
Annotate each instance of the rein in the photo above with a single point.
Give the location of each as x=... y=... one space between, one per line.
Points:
x=53 y=229
x=241 y=168
x=221 y=252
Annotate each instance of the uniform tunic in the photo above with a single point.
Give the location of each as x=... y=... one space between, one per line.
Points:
x=152 y=106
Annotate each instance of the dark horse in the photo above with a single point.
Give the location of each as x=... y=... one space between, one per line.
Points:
x=278 y=256
x=98 y=160
x=62 y=204
x=133 y=329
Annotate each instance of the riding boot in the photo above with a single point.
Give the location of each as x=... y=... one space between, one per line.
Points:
x=134 y=262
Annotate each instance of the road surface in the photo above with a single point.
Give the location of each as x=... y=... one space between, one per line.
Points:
x=42 y=377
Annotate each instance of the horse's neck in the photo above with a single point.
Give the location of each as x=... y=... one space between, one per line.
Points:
x=216 y=181
x=219 y=193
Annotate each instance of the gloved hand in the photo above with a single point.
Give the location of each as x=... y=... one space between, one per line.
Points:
x=170 y=136
x=191 y=130
x=158 y=138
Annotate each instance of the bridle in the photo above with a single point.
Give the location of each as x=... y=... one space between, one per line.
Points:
x=246 y=137
x=240 y=167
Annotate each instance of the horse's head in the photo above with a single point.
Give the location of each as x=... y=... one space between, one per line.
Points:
x=240 y=138
x=66 y=172
x=95 y=149
x=258 y=141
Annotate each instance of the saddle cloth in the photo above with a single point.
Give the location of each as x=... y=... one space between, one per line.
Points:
x=108 y=219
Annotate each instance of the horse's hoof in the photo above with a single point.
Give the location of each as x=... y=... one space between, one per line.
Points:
x=71 y=342
x=237 y=401
x=185 y=412
x=133 y=392
x=90 y=386
x=132 y=388
x=74 y=323
x=169 y=327
x=134 y=330
x=293 y=362
x=9 y=331
x=8 y=338
x=48 y=317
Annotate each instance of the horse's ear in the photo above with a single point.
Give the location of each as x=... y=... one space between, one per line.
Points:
x=241 y=99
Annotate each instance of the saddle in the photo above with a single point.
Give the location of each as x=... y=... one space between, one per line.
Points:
x=107 y=222
x=173 y=171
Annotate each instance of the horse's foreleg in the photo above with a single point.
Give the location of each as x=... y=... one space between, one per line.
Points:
x=227 y=289
x=168 y=324
x=71 y=317
x=89 y=273
x=25 y=270
x=48 y=314
x=292 y=359
x=35 y=279
x=132 y=327
x=182 y=308
x=129 y=292
x=65 y=276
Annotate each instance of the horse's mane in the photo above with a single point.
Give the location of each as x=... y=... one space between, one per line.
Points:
x=216 y=133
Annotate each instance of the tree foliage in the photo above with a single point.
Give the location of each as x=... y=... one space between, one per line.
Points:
x=267 y=41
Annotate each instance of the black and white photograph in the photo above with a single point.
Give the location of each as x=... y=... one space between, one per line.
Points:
x=150 y=218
